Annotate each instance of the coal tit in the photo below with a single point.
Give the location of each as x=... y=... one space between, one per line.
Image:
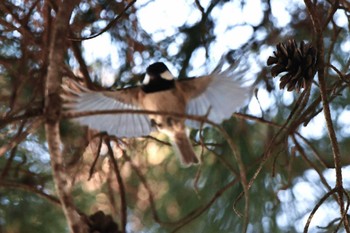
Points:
x=216 y=95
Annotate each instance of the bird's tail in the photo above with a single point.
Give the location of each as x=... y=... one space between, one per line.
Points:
x=185 y=150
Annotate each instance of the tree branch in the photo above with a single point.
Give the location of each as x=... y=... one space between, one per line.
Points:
x=325 y=103
x=111 y=24
x=52 y=111
x=30 y=189
x=20 y=137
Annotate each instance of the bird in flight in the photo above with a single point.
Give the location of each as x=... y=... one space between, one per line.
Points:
x=216 y=96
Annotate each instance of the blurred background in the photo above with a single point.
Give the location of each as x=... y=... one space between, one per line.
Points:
x=281 y=135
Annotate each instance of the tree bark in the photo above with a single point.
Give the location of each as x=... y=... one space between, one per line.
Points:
x=63 y=184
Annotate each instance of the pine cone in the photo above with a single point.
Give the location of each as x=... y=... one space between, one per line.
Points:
x=298 y=62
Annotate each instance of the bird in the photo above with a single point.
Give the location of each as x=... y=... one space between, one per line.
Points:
x=216 y=96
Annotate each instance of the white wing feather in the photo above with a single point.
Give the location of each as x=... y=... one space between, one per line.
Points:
x=121 y=125
x=222 y=97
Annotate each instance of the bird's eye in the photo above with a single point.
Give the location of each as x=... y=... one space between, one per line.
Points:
x=146 y=79
x=167 y=75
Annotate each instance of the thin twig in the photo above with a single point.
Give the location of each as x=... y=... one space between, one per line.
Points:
x=121 y=186
x=331 y=12
x=303 y=154
x=191 y=216
x=312 y=214
x=91 y=172
x=345 y=216
x=28 y=115
x=82 y=64
x=149 y=191
x=200 y=7
x=13 y=153
x=325 y=103
x=242 y=173
x=31 y=189
x=157 y=140
x=109 y=25
x=20 y=137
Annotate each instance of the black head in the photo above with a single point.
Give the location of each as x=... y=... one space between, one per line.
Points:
x=158 y=78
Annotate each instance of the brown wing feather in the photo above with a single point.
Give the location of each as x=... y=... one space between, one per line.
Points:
x=130 y=95
x=193 y=87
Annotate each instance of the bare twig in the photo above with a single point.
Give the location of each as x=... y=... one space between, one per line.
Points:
x=13 y=153
x=20 y=137
x=331 y=12
x=111 y=24
x=325 y=103
x=200 y=7
x=194 y=214
x=242 y=173
x=31 y=189
x=323 y=199
x=303 y=154
x=91 y=172
x=11 y=119
x=120 y=184
x=82 y=65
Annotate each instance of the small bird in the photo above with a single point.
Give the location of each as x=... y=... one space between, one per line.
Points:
x=216 y=96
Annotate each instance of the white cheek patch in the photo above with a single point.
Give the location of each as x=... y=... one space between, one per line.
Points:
x=167 y=75
x=146 y=79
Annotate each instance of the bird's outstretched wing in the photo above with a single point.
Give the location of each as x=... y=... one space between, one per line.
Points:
x=81 y=99
x=218 y=95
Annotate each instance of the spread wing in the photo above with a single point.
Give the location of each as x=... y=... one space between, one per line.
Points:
x=122 y=125
x=219 y=95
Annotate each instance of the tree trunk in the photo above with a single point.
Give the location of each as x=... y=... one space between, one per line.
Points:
x=58 y=45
